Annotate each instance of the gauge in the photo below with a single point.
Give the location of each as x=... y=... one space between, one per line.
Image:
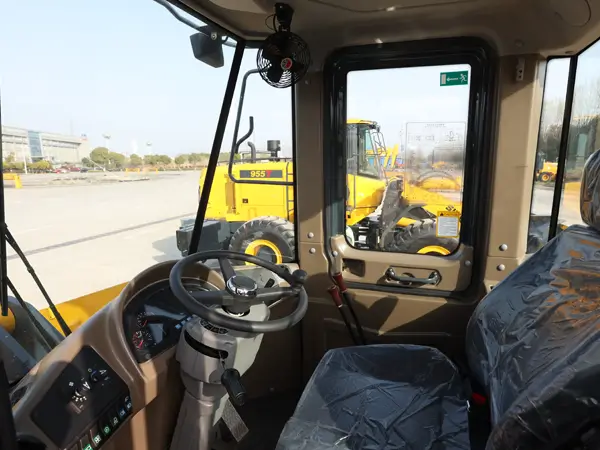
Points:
x=142 y=339
x=154 y=319
x=142 y=318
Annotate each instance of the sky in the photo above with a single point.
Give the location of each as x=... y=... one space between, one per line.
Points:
x=122 y=68
x=126 y=69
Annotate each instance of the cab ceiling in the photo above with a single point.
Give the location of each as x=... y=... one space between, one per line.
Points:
x=548 y=27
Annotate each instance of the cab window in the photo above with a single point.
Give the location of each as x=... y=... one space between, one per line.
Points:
x=405 y=190
x=583 y=140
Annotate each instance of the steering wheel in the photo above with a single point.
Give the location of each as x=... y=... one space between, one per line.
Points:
x=241 y=292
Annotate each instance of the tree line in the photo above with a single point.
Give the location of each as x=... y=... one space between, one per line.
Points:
x=101 y=157
x=11 y=165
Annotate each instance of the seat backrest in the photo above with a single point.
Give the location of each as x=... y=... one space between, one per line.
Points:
x=534 y=340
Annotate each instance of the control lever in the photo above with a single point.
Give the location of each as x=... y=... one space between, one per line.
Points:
x=232 y=381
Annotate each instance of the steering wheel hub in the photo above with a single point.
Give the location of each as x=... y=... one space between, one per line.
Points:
x=242 y=286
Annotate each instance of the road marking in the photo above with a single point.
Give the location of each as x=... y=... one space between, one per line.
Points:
x=100 y=236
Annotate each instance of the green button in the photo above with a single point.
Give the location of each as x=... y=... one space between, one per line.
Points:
x=88 y=447
x=106 y=430
x=96 y=439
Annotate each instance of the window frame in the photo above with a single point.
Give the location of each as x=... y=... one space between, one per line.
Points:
x=479 y=150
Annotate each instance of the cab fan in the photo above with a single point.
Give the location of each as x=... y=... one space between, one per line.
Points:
x=283 y=59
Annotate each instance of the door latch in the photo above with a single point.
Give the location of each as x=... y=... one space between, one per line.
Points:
x=434 y=278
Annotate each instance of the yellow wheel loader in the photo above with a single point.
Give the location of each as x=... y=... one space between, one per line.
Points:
x=545 y=171
x=251 y=204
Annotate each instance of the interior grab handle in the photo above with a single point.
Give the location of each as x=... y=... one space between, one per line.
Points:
x=433 y=279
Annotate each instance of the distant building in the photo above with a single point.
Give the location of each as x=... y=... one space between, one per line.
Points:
x=34 y=146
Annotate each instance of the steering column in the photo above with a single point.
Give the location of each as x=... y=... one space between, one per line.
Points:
x=216 y=349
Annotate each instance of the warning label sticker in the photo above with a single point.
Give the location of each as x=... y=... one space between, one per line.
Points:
x=447 y=224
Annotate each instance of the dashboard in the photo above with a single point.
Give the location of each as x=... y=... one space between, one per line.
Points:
x=154 y=318
x=111 y=385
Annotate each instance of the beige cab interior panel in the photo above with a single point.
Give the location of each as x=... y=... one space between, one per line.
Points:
x=517 y=125
x=362 y=266
x=547 y=27
x=155 y=386
x=387 y=318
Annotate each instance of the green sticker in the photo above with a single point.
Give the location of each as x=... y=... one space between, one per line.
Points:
x=454 y=78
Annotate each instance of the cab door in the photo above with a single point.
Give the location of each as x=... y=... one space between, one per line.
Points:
x=420 y=284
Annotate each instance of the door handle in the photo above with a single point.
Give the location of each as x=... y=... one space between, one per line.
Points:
x=433 y=279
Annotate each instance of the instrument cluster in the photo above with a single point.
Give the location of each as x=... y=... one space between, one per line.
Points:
x=154 y=318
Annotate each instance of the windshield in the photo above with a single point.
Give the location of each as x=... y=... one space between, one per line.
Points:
x=105 y=135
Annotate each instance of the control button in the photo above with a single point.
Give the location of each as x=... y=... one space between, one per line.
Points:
x=84 y=443
x=128 y=404
x=122 y=413
x=98 y=375
x=105 y=429
x=95 y=436
x=78 y=397
x=113 y=419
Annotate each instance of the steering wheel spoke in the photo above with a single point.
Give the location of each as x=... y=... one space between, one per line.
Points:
x=212 y=298
x=271 y=295
x=227 y=269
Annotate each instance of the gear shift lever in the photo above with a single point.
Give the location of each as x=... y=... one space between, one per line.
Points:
x=232 y=380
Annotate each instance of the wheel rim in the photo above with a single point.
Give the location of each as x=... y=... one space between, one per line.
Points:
x=545 y=178
x=266 y=250
x=434 y=250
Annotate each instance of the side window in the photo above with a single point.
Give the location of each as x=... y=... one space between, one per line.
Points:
x=405 y=154
x=257 y=201
x=583 y=140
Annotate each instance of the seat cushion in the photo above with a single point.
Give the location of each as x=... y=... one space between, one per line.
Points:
x=380 y=397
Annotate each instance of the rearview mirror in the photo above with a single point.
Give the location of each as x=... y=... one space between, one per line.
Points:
x=207 y=46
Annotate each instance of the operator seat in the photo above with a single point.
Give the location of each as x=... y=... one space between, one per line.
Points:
x=533 y=343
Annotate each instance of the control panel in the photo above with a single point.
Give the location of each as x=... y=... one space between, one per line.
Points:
x=85 y=405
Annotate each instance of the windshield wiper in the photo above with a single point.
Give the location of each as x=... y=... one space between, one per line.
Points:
x=5 y=283
x=8 y=238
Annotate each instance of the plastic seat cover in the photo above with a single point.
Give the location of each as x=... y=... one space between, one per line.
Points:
x=534 y=341
x=380 y=397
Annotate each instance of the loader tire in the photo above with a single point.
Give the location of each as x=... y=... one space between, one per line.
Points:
x=268 y=237
x=420 y=238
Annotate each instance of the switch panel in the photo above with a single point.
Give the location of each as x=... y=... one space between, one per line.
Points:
x=82 y=402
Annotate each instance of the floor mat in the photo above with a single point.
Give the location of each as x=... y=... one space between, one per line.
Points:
x=265 y=418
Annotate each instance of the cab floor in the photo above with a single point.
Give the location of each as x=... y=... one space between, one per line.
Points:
x=265 y=418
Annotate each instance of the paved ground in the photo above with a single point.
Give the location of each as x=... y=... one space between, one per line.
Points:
x=82 y=238
x=62 y=179
x=569 y=211
x=87 y=236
